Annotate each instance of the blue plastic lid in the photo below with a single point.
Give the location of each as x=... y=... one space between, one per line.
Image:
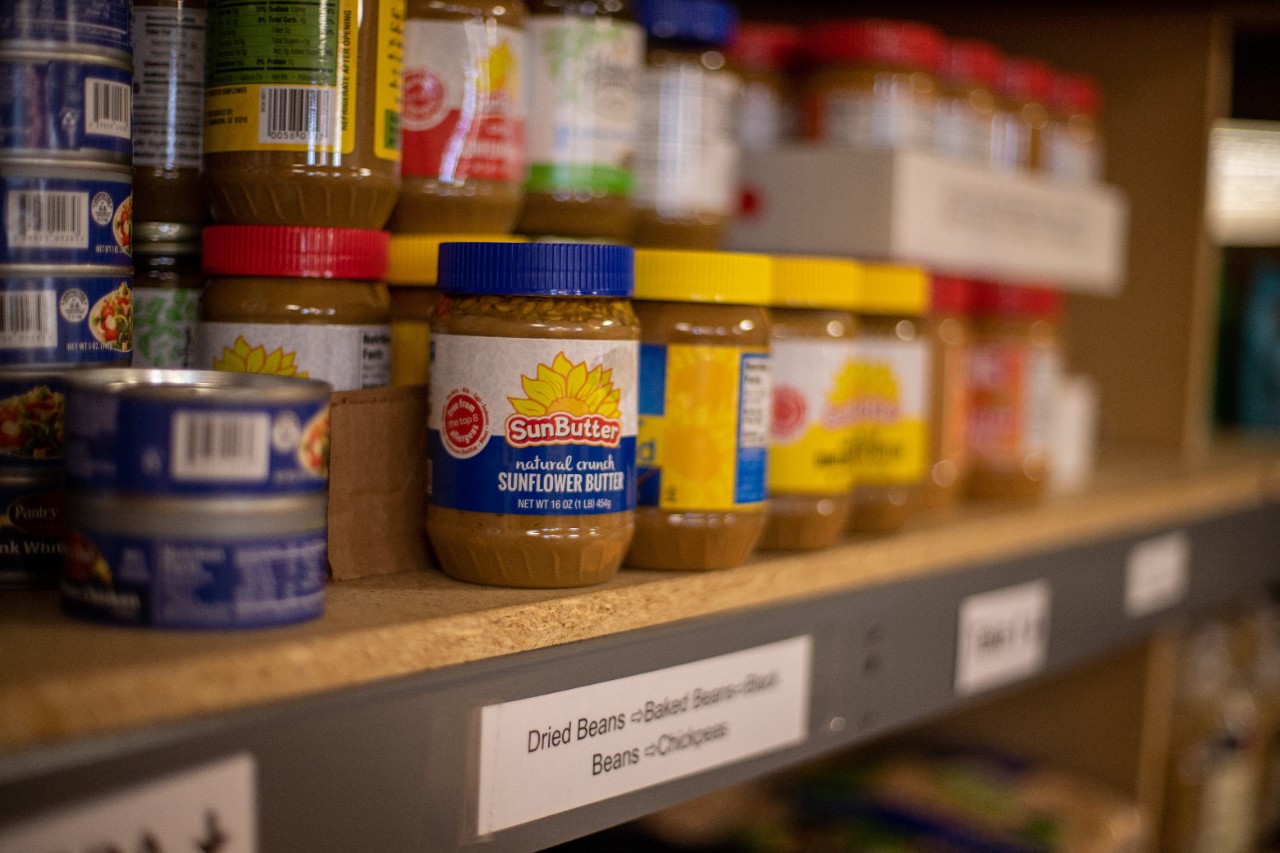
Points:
x=536 y=269
x=709 y=22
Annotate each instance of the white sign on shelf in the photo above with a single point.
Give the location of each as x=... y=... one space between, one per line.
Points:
x=1157 y=574
x=1003 y=636
x=211 y=808
x=547 y=754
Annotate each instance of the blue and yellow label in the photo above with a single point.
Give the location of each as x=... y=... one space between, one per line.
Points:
x=704 y=426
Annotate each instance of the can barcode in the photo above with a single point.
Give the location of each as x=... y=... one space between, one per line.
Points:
x=292 y=114
x=107 y=107
x=216 y=446
x=28 y=319
x=40 y=218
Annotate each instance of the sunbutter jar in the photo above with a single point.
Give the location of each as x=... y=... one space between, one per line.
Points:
x=302 y=113
x=811 y=464
x=307 y=302
x=704 y=408
x=463 y=120
x=411 y=281
x=891 y=432
x=532 y=416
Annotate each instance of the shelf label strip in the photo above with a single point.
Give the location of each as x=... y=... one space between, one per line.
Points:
x=1157 y=574
x=1003 y=636
x=547 y=754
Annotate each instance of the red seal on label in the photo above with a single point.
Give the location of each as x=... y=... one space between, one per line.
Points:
x=789 y=411
x=465 y=423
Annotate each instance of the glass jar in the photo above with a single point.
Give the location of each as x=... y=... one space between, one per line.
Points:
x=531 y=426
x=1073 y=145
x=763 y=55
x=687 y=149
x=1015 y=370
x=949 y=329
x=704 y=408
x=872 y=83
x=964 y=121
x=463 y=122
x=814 y=363
x=1022 y=115
x=301 y=118
x=892 y=420
x=585 y=56
x=166 y=293
x=294 y=301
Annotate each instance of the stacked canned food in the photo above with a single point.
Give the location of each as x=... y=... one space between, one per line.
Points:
x=66 y=82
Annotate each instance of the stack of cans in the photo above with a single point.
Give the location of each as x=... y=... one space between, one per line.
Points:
x=66 y=182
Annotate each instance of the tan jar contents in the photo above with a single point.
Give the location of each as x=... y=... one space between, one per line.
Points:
x=463 y=121
x=1022 y=116
x=1014 y=375
x=411 y=281
x=168 y=108
x=964 y=122
x=1073 y=148
x=166 y=293
x=687 y=151
x=585 y=56
x=872 y=83
x=763 y=55
x=893 y=390
x=294 y=301
x=531 y=426
x=814 y=363
x=704 y=408
x=949 y=328
x=302 y=113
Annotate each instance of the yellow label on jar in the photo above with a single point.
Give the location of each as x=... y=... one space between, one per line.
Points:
x=812 y=430
x=386 y=96
x=703 y=432
x=890 y=438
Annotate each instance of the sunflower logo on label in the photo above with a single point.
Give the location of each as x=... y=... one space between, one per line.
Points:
x=566 y=403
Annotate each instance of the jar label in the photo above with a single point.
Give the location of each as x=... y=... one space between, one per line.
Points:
x=883 y=119
x=31 y=422
x=764 y=120
x=582 y=116
x=51 y=107
x=66 y=321
x=168 y=85
x=54 y=220
x=164 y=323
x=31 y=532
x=388 y=80
x=1012 y=389
x=100 y=23
x=463 y=101
x=282 y=76
x=890 y=438
x=687 y=150
x=171 y=582
x=1070 y=159
x=532 y=426
x=704 y=426
x=347 y=357
x=962 y=133
x=814 y=404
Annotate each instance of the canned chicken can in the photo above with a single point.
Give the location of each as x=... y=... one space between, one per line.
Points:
x=31 y=421
x=59 y=106
x=31 y=527
x=65 y=316
x=56 y=212
x=99 y=24
x=196 y=433
x=219 y=563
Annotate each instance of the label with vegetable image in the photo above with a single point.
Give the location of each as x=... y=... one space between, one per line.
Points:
x=164 y=326
x=31 y=529
x=52 y=220
x=65 y=321
x=31 y=422
x=704 y=426
x=55 y=107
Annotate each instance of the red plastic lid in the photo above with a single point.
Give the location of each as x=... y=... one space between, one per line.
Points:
x=1001 y=300
x=295 y=252
x=875 y=41
x=966 y=62
x=1076 y=93
x=952 y=295
x=765 y=47
x=1024 y=80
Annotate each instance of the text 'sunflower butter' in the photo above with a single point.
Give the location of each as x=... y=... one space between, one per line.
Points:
x=295 y=301
x=704 y=408
x=532 y=417
x=815 y=371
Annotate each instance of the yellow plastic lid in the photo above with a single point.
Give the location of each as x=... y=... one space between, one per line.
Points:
x=731 y=278
x=413 y=257
x=810 y=282
x=895 y=289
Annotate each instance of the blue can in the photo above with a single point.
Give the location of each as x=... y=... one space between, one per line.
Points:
x=65 y=316
x=32 y=406
x=66 y=214
x=31 y=528
x=65 y=107
x=182 y=563
x=196 y=433
x=99 y=24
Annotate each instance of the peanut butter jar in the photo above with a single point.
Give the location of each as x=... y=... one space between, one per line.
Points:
x=964 y=121
x=302 y=114
x=764 y=55
x=949 y=328
x=811 y=464
x=1073 y=144
x=1022 y=115
x=704 y=408
x=531 y=426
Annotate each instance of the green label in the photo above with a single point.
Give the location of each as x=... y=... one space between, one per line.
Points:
x=291 y=43
x=608 y=180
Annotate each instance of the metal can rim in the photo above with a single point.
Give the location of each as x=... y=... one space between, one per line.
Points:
x=229 y=386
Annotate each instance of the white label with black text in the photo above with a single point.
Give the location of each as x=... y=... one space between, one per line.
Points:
x=1003 y=636
x=1156 y=574
x=211 y=808
x=603 y=740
